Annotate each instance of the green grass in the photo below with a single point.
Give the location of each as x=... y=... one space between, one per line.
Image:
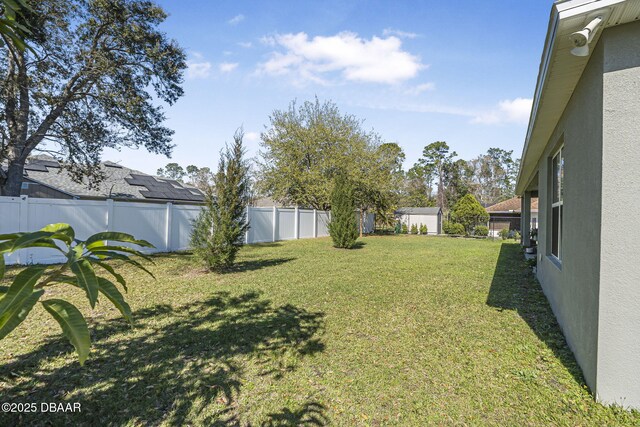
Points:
x=406 y=330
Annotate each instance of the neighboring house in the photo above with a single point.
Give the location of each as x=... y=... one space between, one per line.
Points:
x=431 y=217
x=506 y=214
x=581 y=158
x=45 y=177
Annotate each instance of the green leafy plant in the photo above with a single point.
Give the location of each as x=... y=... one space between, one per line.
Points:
x=423 y=229
x=343 y=227
x=504 y=233
x=219 y=230
x=481 y=231
x=405 y=229
x=28 y=286
x=414 y=229
x=469 y=212
x=517 y=236
x=398 y=228
x=457 y=229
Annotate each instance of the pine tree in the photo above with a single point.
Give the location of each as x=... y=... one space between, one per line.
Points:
x=219 y=230
x=343 y=227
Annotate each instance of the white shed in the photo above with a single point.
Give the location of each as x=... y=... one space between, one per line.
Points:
x=431 y=217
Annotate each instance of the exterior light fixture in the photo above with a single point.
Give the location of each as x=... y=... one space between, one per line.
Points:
x=582 y=38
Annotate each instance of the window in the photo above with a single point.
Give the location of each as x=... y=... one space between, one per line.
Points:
x=557 y=196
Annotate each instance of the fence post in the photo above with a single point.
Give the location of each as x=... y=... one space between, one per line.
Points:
x=23 y=226
x=315 y=223
x=296 y=222
x=275 y=224
x=167 y=227
x=246 y=233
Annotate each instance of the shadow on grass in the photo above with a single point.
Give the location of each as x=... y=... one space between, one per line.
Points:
x=257 y=264
x=359 y=245
x=514 y=288
x=179 y=364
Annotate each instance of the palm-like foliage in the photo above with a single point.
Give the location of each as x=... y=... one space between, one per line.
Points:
x=79 y=270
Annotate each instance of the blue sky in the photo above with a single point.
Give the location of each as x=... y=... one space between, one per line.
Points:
x=415 y=71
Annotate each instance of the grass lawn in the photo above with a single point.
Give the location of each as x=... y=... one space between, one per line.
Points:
x=405 y=330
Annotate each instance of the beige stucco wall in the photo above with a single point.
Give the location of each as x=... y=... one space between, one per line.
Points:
x=618 y=378
x=572 y=286
x=595 y=290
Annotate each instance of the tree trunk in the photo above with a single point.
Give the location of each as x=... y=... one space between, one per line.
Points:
x=13 y=182
x=361 y=221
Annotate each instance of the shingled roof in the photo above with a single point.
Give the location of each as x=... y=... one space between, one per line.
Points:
x=120 y=183
x=512 y=205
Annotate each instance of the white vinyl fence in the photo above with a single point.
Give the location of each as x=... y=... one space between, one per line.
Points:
x=166 y=225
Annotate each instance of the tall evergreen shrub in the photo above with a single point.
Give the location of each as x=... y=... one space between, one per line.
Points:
x=219 y=230
x=343 y=227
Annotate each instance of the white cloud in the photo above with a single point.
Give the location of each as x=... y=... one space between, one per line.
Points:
x=245 y=45
x=399 y=33
x=227 y=67
x=197 y=67
x=417 y=90
x=252 y=136
x=236 y=19
x=378 y=60
x=508 y=111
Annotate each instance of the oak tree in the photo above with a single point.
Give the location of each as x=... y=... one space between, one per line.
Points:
x=95 y=75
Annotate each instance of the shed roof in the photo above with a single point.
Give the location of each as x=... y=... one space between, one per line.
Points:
x=417 y=211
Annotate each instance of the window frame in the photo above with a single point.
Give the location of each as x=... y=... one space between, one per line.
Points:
x=557 y=190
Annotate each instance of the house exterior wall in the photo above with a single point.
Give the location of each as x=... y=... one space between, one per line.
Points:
x=618 y=378
x=595 y=290
x=35 y=189
x=572 y=286
x=433 y=222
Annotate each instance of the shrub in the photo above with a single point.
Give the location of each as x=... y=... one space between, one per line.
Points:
x=398 y=228
x=343 y=227
x=481 y=230
x=218 y=232
x=504 y=233
x=423 y=229
x=457 y=229
x=28 y=286
x=469 y=212
x=414 y=229
x=517 y=236
x=405 y=229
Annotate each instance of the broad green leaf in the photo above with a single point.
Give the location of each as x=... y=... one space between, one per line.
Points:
x=114 y=273
x=26 y=239
x=116 y=237
x=61 y=231
x=11 y=236
x=73 y=325
x=14 y=306
x=114 y=295
x=5 y=246
x=12 y=317
x=124 y=249
x=86 y=279
x=21 y=288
